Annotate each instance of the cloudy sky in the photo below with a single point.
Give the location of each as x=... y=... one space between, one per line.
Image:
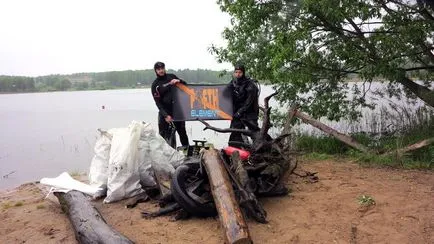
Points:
x=62 y=37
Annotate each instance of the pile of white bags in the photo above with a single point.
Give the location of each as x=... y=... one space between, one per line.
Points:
x=126 y=158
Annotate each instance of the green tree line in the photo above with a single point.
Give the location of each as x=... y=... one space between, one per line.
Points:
x=16 y=84
x=103 y=80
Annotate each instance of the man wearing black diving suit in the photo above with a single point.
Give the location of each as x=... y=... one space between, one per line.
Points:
x=245 y=104
x=162 y=91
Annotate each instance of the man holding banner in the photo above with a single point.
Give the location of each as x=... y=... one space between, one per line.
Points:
x=178 y=102
x=162 y=90
x=245 y=95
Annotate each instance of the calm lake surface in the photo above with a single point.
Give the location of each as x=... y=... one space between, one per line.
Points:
x=45 y=134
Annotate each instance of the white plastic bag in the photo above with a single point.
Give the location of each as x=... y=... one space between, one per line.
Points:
x=98 y=172
x=123 y=169
x=146 y=172
x=155 y=151
x=159 y=160
x=160 y=151
x=127 y=159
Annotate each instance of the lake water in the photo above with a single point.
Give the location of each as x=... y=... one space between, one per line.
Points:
x=45 y=134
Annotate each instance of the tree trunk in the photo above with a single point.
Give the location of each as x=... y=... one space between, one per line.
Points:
x=231 y=218
x=342 y=137
x=88 y=224
x=287 y=127
x=420 y=91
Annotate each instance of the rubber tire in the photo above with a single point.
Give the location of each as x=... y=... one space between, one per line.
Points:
x=177 y=186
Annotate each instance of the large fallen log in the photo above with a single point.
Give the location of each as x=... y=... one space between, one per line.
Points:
x=88 y=224
x=412 y=147
x=231 y=218
x=342 y=137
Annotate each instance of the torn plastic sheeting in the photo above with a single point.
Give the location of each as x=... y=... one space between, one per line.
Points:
x=64 y=182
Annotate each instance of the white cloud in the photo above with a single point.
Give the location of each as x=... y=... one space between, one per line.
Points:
x=48 y=36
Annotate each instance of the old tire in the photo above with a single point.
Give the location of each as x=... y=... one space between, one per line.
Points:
x=178 y=187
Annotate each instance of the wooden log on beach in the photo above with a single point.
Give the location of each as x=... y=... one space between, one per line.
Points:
x=88 y=224
x=230 y=215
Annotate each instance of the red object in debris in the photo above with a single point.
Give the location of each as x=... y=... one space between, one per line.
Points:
x=244 y=155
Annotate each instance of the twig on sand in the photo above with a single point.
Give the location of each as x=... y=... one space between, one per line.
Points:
x=353 y=239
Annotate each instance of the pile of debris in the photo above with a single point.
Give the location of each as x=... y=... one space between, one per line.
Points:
x=137 y=163
x=228 y=182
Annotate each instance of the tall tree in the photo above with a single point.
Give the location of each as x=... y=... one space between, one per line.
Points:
x=309 y=48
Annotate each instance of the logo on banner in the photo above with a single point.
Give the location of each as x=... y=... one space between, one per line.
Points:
x=205 y=102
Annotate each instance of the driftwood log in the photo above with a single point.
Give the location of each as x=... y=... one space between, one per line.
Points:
x=412 y=147
x=230 y=215
x=294 y=112
x=88 y=224
x=340 y=136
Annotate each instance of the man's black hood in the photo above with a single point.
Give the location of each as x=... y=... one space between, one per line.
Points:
x=160 y=65
x=240 y=67
x=242 y=79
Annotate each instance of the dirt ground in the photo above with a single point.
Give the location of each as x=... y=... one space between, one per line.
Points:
x=324 y=212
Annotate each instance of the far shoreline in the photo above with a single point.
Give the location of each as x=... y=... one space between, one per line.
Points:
x=112 y=88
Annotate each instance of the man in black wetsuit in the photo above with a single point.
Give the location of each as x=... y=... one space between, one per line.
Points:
x=162 y=91
x=245 y=104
